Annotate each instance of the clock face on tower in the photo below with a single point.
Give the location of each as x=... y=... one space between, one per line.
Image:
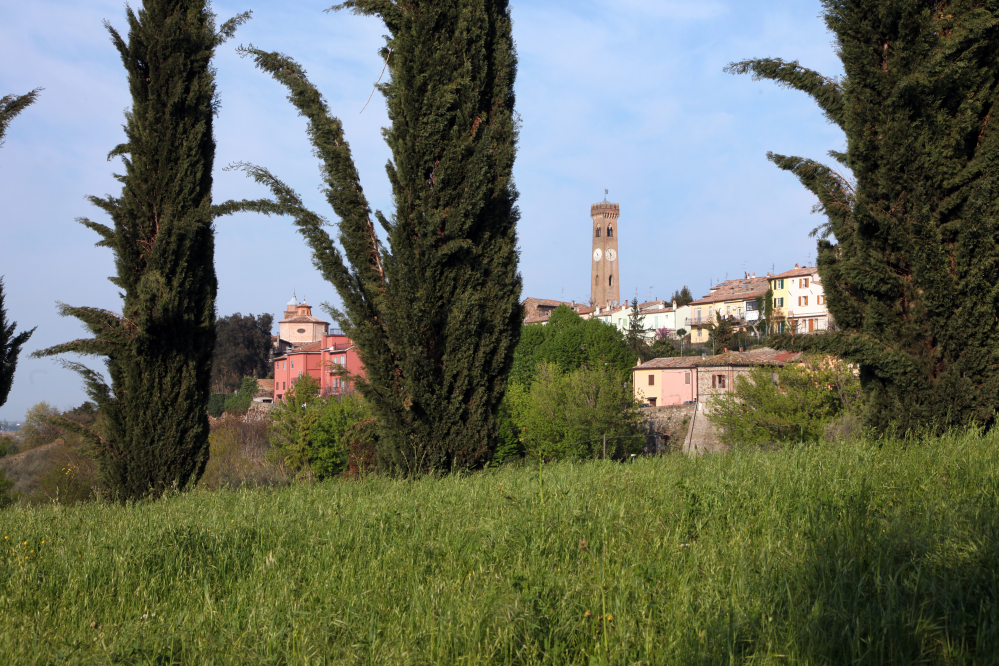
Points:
x=611 y=255
x=597 y=254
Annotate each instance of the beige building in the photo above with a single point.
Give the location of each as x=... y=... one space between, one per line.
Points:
x=299 y=327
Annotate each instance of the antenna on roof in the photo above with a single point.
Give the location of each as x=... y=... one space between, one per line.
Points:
x=606 y=192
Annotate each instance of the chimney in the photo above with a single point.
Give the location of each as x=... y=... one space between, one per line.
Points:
x=796 y=266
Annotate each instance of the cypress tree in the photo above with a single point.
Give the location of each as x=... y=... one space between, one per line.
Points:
x=158 y=351
x=10 y=343
x=10 y=348
x=909 y=256
x=11 y=105
x=435 y=313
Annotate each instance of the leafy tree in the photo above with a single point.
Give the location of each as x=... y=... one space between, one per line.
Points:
x=566 y=415
x=722 y=332
x=909 y=254
x=435 y=313
x=793 y=403
x=662 y=346
x=40 y=426
x=239 y=402
x=292 y=421
x=242 y=349
x=683 y=296
x=11 y=105
x=154 y=433
x=571 y=343
x=343 y=419
x=10 y=348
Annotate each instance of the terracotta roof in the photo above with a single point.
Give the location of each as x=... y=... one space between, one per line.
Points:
x=736 y=290
x=764 y=356
x=307 y=348
x=303 y=319
x=657 y=311
x=798 y=272
x=669 y=362
x=584 y=310
x=544 y=301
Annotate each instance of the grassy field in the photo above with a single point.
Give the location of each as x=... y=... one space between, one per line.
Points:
x=863 y=554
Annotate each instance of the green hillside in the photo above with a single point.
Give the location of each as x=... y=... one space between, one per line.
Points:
x=866 y=553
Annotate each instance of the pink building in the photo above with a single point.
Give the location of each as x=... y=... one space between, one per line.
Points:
x=666 y=381
x=333 y=361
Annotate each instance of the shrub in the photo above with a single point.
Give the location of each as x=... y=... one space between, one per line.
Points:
x=38 y=429
x=794 y=403
x=237 y=453
x=567 y=415
x=216 y=405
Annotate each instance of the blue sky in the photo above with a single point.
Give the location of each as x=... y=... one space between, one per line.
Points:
x=627 y=95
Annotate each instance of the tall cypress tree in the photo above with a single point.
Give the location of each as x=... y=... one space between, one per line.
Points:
x=10 y=343
x=911 y=272
x=158 y=351
x=10 y=349
x=435 y=314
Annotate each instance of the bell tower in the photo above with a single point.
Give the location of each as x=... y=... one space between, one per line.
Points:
x=605 y=283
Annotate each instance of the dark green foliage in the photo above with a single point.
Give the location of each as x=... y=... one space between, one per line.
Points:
x=682 y=297
x=435 y=313
x=10 y=106
x=793 y=403
x=722 y=333
x=571 y=343
x=216 y=404
x=242 y=349
x=911 y=272
x=10 y=349
x=663 y=347
x=239 y=402
x=10 y=343
x=343 y=420
x=636 y=333
x=154 y=433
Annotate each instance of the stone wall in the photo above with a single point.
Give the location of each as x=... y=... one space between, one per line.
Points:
x=665 y=427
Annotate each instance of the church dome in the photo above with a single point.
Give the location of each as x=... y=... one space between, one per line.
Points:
x=293 y=302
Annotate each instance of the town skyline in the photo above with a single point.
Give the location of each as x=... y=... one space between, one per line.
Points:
x=677 y=142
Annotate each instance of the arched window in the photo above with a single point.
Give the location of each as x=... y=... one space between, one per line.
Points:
x=596 y=279
x=598 y=231
x=610 y=281
x=610 y=232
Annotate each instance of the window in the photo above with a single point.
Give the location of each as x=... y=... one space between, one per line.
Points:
x=698 y=315
x=598 y=232
x=718 y=381
x=820 y=300
x=686 y=378
x=596 y=279
x=803 y=283
x=780 y=327
x=652 y=402
x=652 y=380
x=284 y=385
x=750 y=306
x=610 y=281
x=802 y=300
x=301 y=330
x=779 y=302
x=299 y=373
x=292 y=365
x=778 y=284
x=610 y=232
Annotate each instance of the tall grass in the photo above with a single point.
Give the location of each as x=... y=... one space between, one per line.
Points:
x=866 y=553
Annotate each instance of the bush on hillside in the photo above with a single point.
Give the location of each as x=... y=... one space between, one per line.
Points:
x=216 y=405
x=794 y=403
x=38 y=429
x=566 y=415
x=322 y=437
x=237 y=454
